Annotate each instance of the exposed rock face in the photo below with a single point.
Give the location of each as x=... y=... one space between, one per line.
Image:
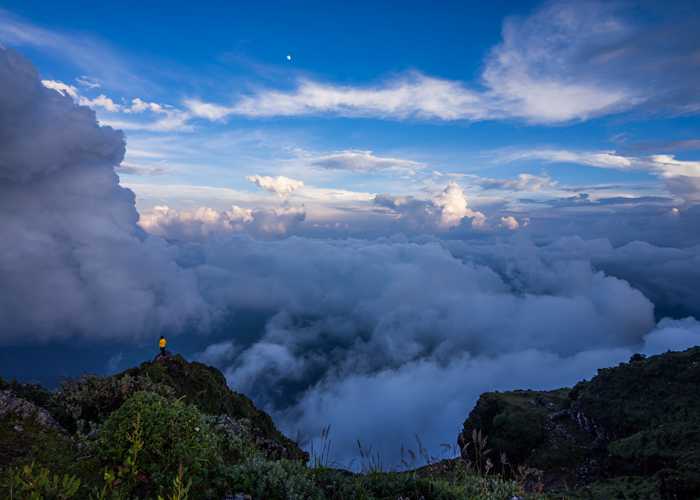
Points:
x=21 y=409
x=640 y=419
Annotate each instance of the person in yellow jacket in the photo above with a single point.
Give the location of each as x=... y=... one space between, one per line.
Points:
x=162 y=343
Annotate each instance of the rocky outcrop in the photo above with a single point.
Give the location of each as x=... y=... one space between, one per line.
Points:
x=640 y=420
x=206 y=388
x=82 y=405
x=12 y=406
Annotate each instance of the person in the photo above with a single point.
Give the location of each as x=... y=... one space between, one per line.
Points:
x=162 y=343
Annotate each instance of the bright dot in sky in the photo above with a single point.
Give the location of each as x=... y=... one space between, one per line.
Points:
x=675 y=211
x=289 y=57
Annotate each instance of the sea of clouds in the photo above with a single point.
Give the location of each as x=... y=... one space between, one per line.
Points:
x=381 y=338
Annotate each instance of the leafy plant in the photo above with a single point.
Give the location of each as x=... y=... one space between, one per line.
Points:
x=150 y=437
x=30 y=483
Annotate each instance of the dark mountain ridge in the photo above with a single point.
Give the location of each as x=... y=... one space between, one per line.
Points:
x=633 y=432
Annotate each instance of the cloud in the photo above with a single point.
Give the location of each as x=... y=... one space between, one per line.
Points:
x=204 y=222
x=536 y=69
x=668 y=166
x=61 y=88
x=168 y=118
x=280 y=185
x=86 y=53
x=88 y=82
x=201 y=109
x=101 y=101
x=71 y=252
x=686 y=188
x=523 y=182
x=365 y=161
x=443 y=211
x=679 y=176
x=359 y=321
x=510 y=222
x=133 y=169
x=602 y=159
x=412 y=96
x=567 y=61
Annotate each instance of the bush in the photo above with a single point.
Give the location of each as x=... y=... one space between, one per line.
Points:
x=30 y=483
x=150 y=437
x=89 y=400
x=273 y=480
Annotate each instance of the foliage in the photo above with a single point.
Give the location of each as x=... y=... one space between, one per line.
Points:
x=273 y=480
x=639 y=422
x=150 y=437
x=206 y=388
x=89 y=400
x=32 y=483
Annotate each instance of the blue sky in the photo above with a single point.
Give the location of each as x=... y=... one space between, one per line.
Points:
x=402 y=100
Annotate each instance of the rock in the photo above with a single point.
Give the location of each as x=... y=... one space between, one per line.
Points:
x=12 y=405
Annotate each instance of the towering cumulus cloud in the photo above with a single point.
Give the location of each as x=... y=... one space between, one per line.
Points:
x=72 y=259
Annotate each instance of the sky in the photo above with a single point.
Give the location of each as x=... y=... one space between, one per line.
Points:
x=359 y=213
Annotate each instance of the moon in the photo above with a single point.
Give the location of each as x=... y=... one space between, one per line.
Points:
x=289 y=57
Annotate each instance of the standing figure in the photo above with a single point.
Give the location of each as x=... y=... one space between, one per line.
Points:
x=162 y=343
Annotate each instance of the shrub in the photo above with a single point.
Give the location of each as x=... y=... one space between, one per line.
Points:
x=91 y=399
x=30 y=483
x=273 y=480
x=150 y=437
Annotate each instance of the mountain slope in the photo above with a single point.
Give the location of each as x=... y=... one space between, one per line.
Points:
x=636 y=426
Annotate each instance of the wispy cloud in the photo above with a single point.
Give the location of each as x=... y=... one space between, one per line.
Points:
x=567 y=61
x=167 y=117
x=89 y=54
x=365 y=161
x=663 y=165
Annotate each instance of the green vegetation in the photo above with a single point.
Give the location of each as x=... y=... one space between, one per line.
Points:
x=158 y=436
x=633 y=431
x=28 y=483
x=173 y=430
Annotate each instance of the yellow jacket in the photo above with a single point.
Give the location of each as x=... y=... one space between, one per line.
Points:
x=162 y=343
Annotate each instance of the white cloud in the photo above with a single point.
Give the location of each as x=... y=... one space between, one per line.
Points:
x=533 y=72
x=550 y=67
x=61 y=88
x=602 y=159
x=280 y=185
x=139 y=106
x=510 y=222
x=365 y=161
x=413 y=96
x=668 y=166
x=204 y=222
x=168 y=118
x=101 y=101
x=444 y=211
x=206 y=110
